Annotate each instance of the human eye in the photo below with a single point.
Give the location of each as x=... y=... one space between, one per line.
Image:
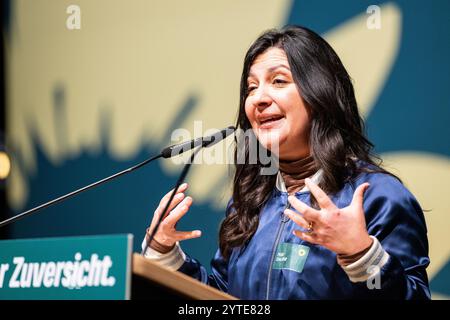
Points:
x=251 y=87
x=280 y=81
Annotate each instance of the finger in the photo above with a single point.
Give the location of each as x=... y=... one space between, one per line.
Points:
x=298 y=219
x=322 y=199
x=358 y=196
x=185 y=235
x=175 y=201
x=309 y=213
x=178 y=197
x=308 y=237
x=180 y=189
x=178 y=212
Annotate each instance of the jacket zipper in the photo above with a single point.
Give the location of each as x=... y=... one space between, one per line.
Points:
x=284 y=219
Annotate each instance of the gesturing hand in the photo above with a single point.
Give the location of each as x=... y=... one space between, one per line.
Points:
x=167 y=233
x=342 y=231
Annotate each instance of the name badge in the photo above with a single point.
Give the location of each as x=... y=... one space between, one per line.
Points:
x=291 y=256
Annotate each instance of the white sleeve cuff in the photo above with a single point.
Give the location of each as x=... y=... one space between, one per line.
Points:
x=172 y=260
x=369 y=265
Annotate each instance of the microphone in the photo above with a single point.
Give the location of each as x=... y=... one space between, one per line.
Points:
x=202 y=141
x=169 y=152
x=165 y=153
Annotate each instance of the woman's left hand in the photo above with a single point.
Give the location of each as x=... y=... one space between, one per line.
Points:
x=342 y=231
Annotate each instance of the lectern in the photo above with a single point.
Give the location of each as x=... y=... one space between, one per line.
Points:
x=152 y=281
x=90 y=267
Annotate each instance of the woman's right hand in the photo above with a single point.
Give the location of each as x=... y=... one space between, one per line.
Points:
x=167 y=234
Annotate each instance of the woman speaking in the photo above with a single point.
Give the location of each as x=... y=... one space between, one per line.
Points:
x=331 y=223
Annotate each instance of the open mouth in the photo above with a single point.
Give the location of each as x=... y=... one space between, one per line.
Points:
x=270 y=122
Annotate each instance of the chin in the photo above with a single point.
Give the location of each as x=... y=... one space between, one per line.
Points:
x=270 y=139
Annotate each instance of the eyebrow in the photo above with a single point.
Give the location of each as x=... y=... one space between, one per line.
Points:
x=271 y=69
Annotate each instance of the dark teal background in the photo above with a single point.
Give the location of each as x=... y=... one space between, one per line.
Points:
x=412 y=113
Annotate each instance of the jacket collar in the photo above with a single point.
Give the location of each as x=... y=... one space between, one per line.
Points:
x=282 y=187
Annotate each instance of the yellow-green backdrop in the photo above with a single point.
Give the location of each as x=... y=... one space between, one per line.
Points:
x=95 y=89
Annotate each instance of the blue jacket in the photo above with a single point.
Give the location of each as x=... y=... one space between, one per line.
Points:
x=259 y=271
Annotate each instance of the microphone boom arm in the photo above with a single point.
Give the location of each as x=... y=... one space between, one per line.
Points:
x=71 y=194
x=165 y=153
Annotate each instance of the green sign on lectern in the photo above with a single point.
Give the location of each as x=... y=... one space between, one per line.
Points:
x=88 y=267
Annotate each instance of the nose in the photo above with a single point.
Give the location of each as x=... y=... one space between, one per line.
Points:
x=262 y=98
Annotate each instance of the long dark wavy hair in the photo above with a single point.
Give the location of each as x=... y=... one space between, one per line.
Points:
x=336 y=135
